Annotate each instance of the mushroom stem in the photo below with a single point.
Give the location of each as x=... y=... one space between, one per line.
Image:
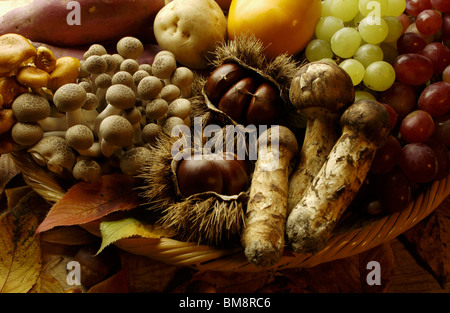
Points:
x=263 y=237
x=76 y=117
x=93 y=151
x=365 y=126
x=53 y=123
x=58 y=133
x=108 y=111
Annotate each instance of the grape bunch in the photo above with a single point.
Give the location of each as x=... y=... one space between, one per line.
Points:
x=403 y=63
x=360 y=36
x=417 y=151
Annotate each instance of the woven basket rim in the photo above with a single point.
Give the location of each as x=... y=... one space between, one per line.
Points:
x=202 y=257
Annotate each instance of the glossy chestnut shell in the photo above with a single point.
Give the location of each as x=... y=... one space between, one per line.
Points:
x=244 y=95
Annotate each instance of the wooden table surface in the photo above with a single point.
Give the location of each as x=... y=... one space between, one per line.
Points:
x=409 y=274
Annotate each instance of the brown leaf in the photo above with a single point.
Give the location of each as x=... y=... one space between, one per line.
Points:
x=20 y=259
x=117 y=283
x=86 y=202
x=68 y=235
x=430 y=240
x=7 y=170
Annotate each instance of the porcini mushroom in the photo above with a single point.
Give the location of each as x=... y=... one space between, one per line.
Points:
x=320 y=90
x=70 y=98
x=263 y=236
x=53 y=152
x=365 y=126
x=115 y=132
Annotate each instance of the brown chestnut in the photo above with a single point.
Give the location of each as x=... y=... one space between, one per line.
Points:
x=197 y=176
x=236 y=100
x=222 y=79
x=265 y=106
x=235 y=177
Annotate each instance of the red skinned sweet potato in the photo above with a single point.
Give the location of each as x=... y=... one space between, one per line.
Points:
x=100 y=20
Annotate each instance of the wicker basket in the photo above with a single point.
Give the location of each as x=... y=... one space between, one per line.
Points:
x=347 y=240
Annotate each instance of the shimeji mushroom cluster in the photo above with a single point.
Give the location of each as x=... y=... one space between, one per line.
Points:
x=107 y=118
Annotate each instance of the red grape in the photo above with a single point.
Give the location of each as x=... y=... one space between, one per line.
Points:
x=442 y=129
x=438 y=54
x=387 y=156
x=441 y=5
x=410 y=43
x=404 y=19
x=443 y=157
x=413 y=69
x=401 y=97
x=446 y=74
x=394 y=190
x=445 y=29
x=419 y=162
x=414 y=7
x=417 y=126
x=435 y=99
x=428 y=22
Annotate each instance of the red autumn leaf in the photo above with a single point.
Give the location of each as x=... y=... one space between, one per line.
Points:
x=86 y=202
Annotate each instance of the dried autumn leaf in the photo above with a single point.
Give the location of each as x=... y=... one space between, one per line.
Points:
x=430 y=239
x=20 y=259
x=7 y=170
x=86 y=202
x=112 y=231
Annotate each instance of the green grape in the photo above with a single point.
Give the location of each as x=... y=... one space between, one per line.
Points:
x=354 y=69
x=372 y=31
x=379 y=76
x=368 y=53
x=395 y=7
x=375 y=8
x=345 y=42
x=318 y=49
x=346 y=10
x=326 y=7
x=327 y=26
x=395 y=28
x=328 y=60
x=357 y=19
x=363 y=95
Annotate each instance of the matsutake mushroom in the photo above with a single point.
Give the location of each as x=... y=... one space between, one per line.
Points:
x=365 y=126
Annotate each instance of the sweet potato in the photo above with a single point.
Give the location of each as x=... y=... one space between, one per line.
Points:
x=100 y=21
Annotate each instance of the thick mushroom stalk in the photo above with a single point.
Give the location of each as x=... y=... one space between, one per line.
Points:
x=320 y=90
x=365 y=126
x=263 y=237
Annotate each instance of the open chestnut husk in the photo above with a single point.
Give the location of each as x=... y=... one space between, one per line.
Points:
x=245 y=88
x=201 y=200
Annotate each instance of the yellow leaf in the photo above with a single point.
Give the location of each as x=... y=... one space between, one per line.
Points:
x=20 y=255
x=112 y=231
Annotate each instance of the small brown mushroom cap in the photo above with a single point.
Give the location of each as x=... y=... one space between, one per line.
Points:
x=69 y=97
x=91 y=102
x=95 y=49
x=103 y=80
x=123 y=78
x=170 y=92
x=129 y=65
x=149 y=87
x=369 y=119
x=139 y=75
x=163 y=65
x=87 y=170
x=95 y=64
x=79 y=137
x=150 y=132
x=30 y=107
x=321 y=84
x=130 y=47
x=55 y=152
x=121 y=96
x=117 y=130
x=156 y=109
x=180 y=107
x=134 y=159
x=26 y=134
